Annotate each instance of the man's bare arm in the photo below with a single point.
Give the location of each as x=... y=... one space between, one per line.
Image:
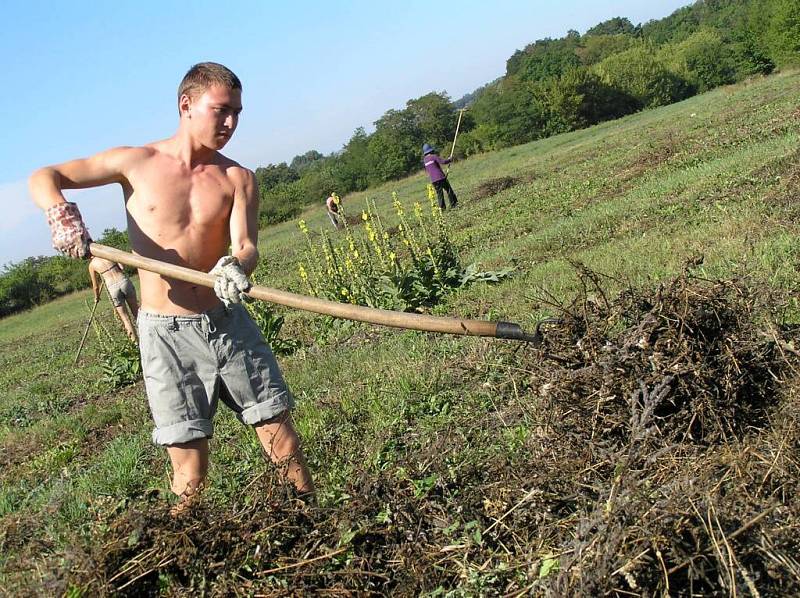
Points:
x=244 y=221
x=46 y=184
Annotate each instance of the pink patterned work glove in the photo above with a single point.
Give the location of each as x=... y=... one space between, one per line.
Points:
x=69 y=234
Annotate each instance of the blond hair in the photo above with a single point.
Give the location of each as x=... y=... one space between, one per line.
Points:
x=204 y=75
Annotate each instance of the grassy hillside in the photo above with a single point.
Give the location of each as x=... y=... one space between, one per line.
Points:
x=661 y=457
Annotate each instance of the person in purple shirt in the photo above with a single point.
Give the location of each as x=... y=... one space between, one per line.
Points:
x=433 y=164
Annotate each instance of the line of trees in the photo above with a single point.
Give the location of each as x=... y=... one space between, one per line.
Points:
x=550 y=87
x=36 y=280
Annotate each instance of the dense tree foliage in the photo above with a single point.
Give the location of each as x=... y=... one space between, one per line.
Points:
x=783 y=31
x=703 y=60
x=639 y=73
x=545 y=58
x=300 y=163
x=615 y=26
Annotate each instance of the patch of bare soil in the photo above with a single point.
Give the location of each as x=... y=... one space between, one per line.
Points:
x=495 y=186
x=653 y=155
x=786 y=191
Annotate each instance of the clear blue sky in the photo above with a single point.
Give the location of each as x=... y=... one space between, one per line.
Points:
x=79 y=77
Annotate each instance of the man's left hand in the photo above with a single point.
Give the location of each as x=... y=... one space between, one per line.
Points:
x=232 y=283
x=68 y=231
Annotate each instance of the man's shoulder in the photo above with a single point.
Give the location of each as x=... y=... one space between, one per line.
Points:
x=237 y=173
x=129 y=154
x=135 y=150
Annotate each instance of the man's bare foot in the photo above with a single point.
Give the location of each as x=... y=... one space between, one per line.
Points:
x=187 y=499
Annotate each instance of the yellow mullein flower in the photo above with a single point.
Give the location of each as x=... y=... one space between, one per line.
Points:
x=398 y=207
x=431 y=192
x=433 y=261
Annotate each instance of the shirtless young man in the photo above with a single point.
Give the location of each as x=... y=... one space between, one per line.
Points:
x=186 y=205
x=120 y=290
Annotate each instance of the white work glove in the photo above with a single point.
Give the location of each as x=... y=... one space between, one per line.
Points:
x=232 y=282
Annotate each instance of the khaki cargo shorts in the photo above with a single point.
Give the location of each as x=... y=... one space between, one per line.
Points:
x=120 y=290
x=190 y=362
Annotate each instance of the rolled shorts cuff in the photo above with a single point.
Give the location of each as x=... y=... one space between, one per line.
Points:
x=187 y=431
x=268 y=409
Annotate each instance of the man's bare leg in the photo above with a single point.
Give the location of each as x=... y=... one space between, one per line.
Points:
x=126 y=322
x=282 y=444
x=189 y=464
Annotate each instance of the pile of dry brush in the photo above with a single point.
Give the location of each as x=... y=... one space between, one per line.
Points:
x=659 y=455
x=683 y=418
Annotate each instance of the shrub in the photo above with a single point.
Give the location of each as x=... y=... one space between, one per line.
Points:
x=280 y=203
x=704 y=60
x=638 y=73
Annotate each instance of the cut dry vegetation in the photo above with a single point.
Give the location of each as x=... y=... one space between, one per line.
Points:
x=495 y=186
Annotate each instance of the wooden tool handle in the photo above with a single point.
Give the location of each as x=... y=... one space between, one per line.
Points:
x=346 y=311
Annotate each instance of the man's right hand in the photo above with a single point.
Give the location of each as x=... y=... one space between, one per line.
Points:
x=232 y=283
x=68 y=231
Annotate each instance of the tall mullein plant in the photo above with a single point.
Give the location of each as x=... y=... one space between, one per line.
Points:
x=367 y=265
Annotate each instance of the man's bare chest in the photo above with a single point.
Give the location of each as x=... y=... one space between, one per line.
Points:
x=175 y=196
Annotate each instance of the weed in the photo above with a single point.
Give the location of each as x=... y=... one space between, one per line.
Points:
x=268 y=320
x=119 y=357
x=270 y=324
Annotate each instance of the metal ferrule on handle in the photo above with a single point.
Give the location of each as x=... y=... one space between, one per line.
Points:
x=346 y=311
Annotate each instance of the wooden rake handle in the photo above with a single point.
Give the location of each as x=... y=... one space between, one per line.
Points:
x=383 y=317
